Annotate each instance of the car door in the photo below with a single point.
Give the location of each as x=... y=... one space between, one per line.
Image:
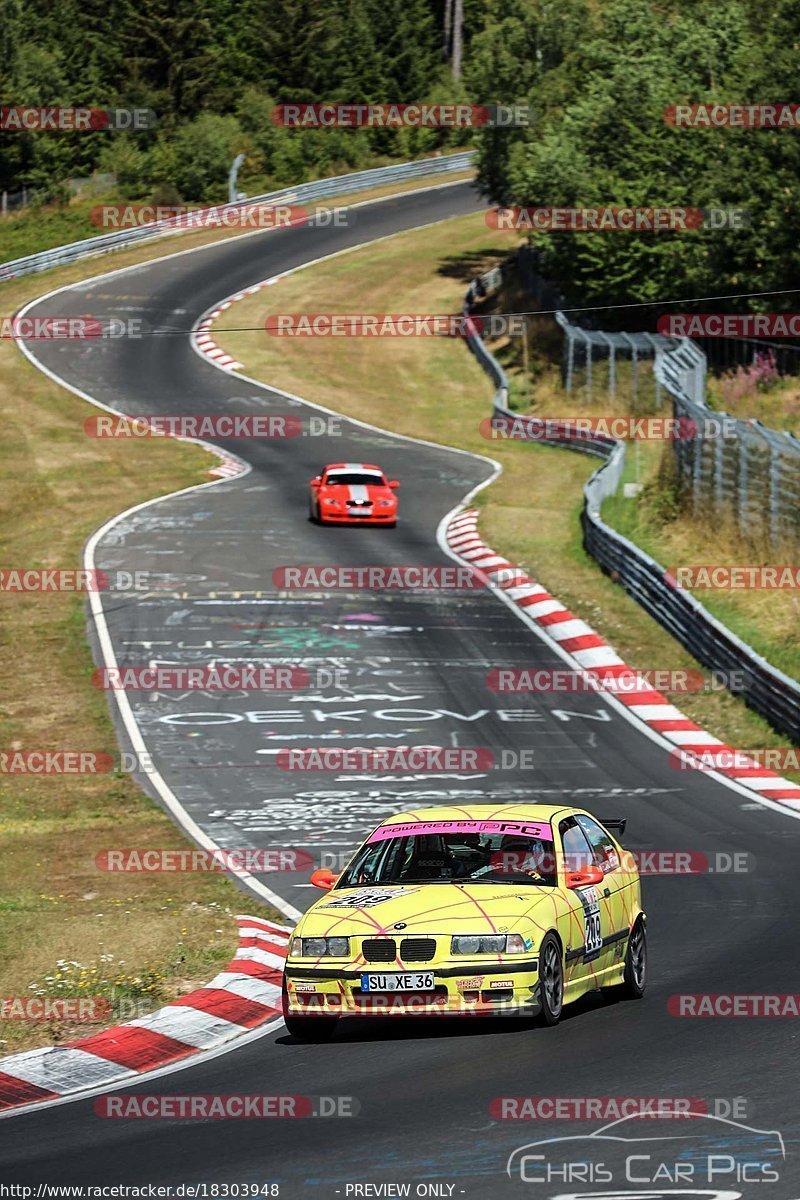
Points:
x=590 y=947
x=616 y=879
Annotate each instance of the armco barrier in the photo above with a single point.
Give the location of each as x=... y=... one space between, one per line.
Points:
x=336 y=185
x=765 y=689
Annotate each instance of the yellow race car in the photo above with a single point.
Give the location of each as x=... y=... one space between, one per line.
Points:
x=478 y=910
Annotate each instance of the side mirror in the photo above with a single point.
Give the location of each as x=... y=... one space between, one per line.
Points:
x=394 y=483
x=579 y=879
x=323 y=878
x=316 y=481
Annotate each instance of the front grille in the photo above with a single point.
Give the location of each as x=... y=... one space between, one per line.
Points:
x=359 y=504
x=379 y=950
x=417 y=949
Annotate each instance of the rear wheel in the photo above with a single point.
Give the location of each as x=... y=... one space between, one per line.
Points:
x=306 y=1029
x=551 y=980
x=634 y=979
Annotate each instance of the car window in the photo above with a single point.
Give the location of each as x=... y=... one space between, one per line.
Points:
x=578 y=854
x=375 y=862
x=605 y=852
x=355 y=478
x=456 y=856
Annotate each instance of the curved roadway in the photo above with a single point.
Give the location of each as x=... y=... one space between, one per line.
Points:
x=414 y=669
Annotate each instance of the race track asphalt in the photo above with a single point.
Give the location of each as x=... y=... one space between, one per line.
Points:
x=414 y=670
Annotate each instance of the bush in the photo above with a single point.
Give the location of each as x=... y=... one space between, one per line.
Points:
x=760 y=376
x=203 y=152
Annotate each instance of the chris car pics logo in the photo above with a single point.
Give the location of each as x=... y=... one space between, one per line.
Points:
x=710 y=1156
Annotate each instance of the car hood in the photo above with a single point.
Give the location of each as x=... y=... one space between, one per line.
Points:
x=356 y=491
x=429 y=908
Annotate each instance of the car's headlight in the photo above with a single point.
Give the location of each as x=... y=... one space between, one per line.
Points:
x=318 y=947
x=332 y=503
x=493 y=943
x=387 y=503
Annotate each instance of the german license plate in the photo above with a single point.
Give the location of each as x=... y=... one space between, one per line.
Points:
x=414 y=981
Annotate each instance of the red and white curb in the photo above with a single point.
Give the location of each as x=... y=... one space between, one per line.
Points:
x=591 y=652
x=205 y=343
x=203 y=340
x=246 y=994
x=229 y=467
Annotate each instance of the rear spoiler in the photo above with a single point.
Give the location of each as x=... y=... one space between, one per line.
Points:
x=615 y=824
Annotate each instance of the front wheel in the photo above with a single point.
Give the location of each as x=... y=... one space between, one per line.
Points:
x=306 y=1029
x=551 y=980
x=634 y=979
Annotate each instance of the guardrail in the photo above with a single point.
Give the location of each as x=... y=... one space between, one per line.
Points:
x=335 y=185
x=765 y=689
x=752 y=475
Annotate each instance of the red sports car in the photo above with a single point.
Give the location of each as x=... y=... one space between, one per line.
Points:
x=353 y=494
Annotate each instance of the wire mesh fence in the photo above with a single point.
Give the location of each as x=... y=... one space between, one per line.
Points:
x=762 y=686
x=731 y=469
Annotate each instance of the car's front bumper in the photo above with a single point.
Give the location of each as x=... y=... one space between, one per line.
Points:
x=483 y=990
x=340 y=518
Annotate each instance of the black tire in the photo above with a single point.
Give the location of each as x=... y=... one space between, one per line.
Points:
x=551 y=981
x=634 y=980
x=307 y=1029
